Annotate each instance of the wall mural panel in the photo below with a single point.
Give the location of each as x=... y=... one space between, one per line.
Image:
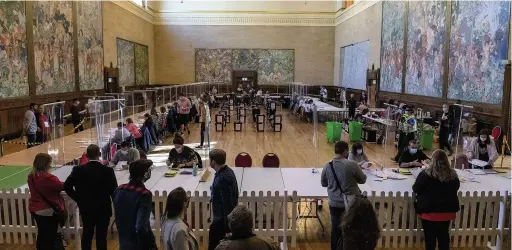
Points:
x=53 y=47
x=214 y=65
x=246 y=59
x=90 y=44
x=274 y=66
x=141 y=65
x=392 y=48
x=126 y=62
x=478 y=44
x=425 y=48
x=13 y=50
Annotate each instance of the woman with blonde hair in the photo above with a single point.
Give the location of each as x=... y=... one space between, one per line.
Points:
x=45 y=198
x=436 y=202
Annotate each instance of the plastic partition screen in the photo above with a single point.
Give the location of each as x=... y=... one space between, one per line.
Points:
x=353 y=65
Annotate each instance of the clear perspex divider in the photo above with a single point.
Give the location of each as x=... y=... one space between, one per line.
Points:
x=107 y=132
x=207 y=142
x=141 y=101
x=314 y=113
x=464 y=125
x=51 y=131
x=390 y=130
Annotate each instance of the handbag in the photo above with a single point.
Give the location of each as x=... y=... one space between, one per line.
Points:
x=62 y=216
x=345 y=199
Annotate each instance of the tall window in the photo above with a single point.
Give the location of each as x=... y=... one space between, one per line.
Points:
x=141 y=3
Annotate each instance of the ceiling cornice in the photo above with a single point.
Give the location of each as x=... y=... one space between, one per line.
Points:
x=246 y=17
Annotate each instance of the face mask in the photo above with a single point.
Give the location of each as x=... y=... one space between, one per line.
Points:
x=413 y=150
x=179 y=150
x=124 y=152
x=445 y=110
x=483 y=138
x=147 y=175
x=359 y=151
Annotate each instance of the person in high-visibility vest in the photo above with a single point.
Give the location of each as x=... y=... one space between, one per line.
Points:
x=408 y=127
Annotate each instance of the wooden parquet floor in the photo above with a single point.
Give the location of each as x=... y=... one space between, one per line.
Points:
x=295 y=148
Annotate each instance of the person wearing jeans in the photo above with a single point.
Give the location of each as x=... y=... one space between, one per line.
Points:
x=436 y=202
x=30 y=125
x=42 y=183
x=202 y=120
x=341 y=177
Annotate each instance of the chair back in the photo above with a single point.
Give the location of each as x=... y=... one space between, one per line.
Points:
x=270 y=160
x=496 y=132
x=459 y=161
x=243 y=160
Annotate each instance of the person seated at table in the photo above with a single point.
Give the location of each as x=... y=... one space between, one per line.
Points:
x=126 y=153
x=412 y=157
x=483 y=148
x=181 y=156
x=120 y=135
x=362 y=106
x=240 y=222
x=357 y=154
x=134 y=131
x=308 y=110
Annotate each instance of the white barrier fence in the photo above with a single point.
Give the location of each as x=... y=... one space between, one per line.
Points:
x=482 y=220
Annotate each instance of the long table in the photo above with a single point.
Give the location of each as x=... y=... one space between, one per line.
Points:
x=305 y=181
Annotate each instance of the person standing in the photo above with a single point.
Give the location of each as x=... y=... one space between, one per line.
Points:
x=352 y=104
x=184 y=106
x=30 y=125
x=133 y=204
x=436 y=202
x=45 y=189
x=75 y=116
x=408 y=128
x=445 y=129
x=91 y=187
x=176 y=233
x=43 y=125
x=224 y=197
x=341 y=177
x=202 y=120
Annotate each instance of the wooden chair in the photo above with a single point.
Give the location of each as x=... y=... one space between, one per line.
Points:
x=243 y=160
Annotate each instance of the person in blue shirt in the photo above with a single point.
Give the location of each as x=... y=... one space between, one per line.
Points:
x=133 y=205
x=224 y=197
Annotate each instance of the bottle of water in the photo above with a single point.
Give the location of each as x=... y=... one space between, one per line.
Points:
x=194 y=169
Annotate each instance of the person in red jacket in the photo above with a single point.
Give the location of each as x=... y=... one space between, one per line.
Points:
x=43 y=125
x=42 y=183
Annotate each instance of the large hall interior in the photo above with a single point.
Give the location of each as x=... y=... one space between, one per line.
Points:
x=125 y=117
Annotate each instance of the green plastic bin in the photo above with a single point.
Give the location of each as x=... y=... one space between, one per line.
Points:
x=333 y=131
x=355 y=130
x=426 y=139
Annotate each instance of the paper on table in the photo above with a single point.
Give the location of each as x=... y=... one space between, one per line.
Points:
x=120 y=165
x=478 y=163
x=476 y=171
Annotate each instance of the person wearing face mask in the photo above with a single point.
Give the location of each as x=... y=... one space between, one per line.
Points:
x=352 y=103
x=483 y=148
x=445 y=129
x=359 y=156
x=413 y=157
x=408 y=128
x=126 y=153
x=133 y=205
x=340 y=176
x=181 y=156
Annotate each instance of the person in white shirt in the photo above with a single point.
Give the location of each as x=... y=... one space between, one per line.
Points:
x=323 y=93
x=214 y=91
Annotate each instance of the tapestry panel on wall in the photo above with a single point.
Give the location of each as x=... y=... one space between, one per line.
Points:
x=90 y=45
x=246 y=59
x=392 y=48
x=274 y=66
x=53 y=47
x=13 y=50
x=126 y=62
x=214 y=65
x=478 y=44
x=425 y=48
x=141 y=65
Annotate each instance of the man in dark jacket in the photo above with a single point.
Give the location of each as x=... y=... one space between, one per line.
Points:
x=224 y=193
x=133 y=205
x=75 y=116
x=91 y=186
x=352 y=103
